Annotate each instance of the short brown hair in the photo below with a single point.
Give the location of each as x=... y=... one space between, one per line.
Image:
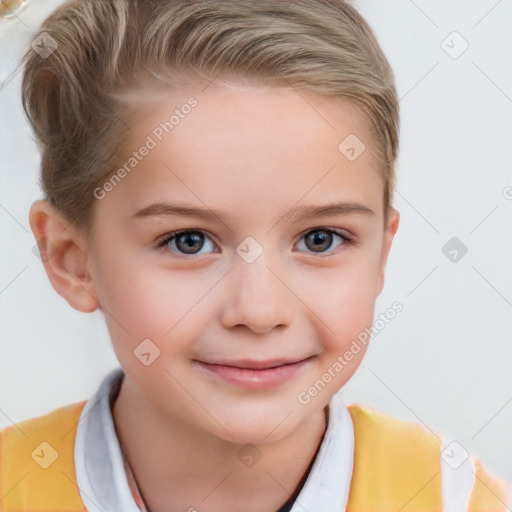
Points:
x=72 y=97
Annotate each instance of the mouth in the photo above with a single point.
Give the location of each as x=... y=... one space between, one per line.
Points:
x=248 y=364
x=253 y=374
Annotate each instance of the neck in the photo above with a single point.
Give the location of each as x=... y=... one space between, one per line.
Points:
x=178 y=467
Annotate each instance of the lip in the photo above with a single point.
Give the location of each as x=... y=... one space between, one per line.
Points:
x=251 y=374
x=252 y=364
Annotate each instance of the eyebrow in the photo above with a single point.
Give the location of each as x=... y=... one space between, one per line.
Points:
x=164 y=209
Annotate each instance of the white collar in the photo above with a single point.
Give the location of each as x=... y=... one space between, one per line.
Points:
x=103 y=483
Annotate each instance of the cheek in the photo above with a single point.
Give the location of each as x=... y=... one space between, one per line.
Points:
x=344 y=330
x=149 y=303
x=344 y=303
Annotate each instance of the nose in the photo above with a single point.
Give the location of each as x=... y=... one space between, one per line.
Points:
x=257 y=297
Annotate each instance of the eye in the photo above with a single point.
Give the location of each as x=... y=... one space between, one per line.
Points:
x=320 y=240
x=187 y=242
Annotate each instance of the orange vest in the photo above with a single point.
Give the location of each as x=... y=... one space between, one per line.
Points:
x=397 y=466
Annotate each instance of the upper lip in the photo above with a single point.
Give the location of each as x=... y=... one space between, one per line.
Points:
x=251 y=364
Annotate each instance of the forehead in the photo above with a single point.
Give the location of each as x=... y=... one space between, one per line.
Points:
x=232 y=145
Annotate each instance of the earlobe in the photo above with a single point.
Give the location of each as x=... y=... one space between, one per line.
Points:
x=389 y=234
x=64 y=255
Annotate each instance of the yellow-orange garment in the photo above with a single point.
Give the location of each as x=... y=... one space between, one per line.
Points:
x=396 y=466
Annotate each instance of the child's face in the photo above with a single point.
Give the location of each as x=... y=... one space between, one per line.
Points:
x=252 y=154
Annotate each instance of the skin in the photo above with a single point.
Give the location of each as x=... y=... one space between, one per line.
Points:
x=253 y=153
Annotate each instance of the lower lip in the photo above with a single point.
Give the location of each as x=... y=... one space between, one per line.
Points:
x=254 y=379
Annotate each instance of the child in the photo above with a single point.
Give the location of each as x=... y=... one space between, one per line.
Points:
x=265 y=133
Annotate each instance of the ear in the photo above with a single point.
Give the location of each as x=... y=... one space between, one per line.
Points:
x=64 y=254
x=389 y=234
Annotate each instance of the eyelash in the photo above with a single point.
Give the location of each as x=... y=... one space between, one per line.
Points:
x=163 y=242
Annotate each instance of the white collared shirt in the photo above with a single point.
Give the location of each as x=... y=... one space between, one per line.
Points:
x=103 y=482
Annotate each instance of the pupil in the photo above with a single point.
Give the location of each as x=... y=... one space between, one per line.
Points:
x=320 y=239
x=190 y=243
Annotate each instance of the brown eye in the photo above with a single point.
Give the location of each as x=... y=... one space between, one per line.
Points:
x=318 y=240
x=189 y=242
x=322 y=241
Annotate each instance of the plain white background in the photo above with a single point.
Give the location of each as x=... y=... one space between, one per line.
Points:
x=445 y=360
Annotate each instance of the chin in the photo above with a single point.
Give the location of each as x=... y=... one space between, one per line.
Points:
x=260 y=423
x=253 y=434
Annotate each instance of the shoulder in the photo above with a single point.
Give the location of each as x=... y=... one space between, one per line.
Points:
x=37 y=461
x=375 y=426
x=404 y=465
x=396 y=463
x=58 y=426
